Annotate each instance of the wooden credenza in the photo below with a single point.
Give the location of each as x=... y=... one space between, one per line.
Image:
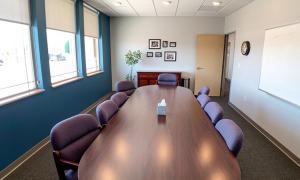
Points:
x=150 y=78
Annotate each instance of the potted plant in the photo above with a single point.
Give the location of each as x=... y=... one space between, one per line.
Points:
x=131 y=59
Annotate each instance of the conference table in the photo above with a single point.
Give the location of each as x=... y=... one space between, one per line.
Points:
x=137 y=144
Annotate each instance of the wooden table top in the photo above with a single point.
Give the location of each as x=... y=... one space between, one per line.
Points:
x=137 y=144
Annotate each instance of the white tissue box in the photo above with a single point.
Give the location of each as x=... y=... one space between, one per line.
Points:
x=162 y=108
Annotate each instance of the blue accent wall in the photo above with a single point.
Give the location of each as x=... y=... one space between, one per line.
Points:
x=26 y=122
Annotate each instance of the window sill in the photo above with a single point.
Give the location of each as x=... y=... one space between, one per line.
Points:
x=58 y=84
x=94 y=73
x=21 y=96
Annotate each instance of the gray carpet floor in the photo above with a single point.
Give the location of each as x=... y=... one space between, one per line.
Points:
x=259 y=159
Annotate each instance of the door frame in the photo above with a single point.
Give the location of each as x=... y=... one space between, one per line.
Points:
x=225 y=60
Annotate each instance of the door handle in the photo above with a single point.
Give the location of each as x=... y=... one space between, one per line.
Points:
x=199 y=68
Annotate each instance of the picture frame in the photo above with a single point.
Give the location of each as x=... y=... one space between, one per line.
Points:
x=149 y=54
x=158 y=54
x=172 y=44
x=170 y=56
x=154 y=43
x=165 y=44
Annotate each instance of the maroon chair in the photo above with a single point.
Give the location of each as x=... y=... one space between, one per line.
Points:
x=204 y=90
x=70 y=139
x=167 y=79
x=105 y=111
x=119 y=98
x=232 y=135
x=126 y=87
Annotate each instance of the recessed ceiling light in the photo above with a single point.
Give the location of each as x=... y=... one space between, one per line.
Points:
x=167 y=3
x=216 y=3
x=118 y=3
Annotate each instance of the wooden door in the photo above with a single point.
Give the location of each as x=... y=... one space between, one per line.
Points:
x=210 y=51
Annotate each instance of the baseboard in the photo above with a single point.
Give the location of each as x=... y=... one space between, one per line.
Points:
x=105 y=97
x=31 y=152
x=274 y=141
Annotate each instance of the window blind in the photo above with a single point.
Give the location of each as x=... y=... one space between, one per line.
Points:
x=15 y=11
x=91 y=23
x=60 y=15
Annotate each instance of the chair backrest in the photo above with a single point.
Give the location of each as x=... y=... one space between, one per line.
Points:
x=214 y=111
x=203 y=99
x=167 y=79
x=232 y=135
x=119 y=98
x=204 y=90
x=124 y=86
x=105 y=111
x=70 y=139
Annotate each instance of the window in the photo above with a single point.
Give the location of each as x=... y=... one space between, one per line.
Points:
x=16 y=63
x=62 y=55
x=91 y=39
x=91 y=54
x=60 y=22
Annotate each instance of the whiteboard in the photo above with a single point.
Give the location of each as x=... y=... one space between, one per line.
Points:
x=280 y=73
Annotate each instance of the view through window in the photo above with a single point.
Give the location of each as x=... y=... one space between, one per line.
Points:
x=16 y=64
x=91 y=54
x=62 y=55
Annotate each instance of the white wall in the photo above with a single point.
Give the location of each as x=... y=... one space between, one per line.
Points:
x=277 y=117
x=132 y=33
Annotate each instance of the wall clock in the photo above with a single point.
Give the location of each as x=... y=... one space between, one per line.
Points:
x=245 y=49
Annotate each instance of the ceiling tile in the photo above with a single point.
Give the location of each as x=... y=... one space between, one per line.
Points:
x=102 y=7
x=233 y=6
x=165 y=10
x=188 y=8
x=143 y=7
x=124 y=9
x=176 y=8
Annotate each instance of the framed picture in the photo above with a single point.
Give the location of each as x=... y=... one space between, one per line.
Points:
x=170 y=55
x=172 y=44
x=154 y=44
x=149 y=54
x=158 y=54
x=165 y=44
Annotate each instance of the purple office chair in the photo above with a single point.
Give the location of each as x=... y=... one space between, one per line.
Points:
x=126 y=87
x=167 y=79
x=203 y=99
x=214 y=112
x=232 y=135
x=119 y=98
x=70 y=139
x=105 y=111
x=204 y=90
